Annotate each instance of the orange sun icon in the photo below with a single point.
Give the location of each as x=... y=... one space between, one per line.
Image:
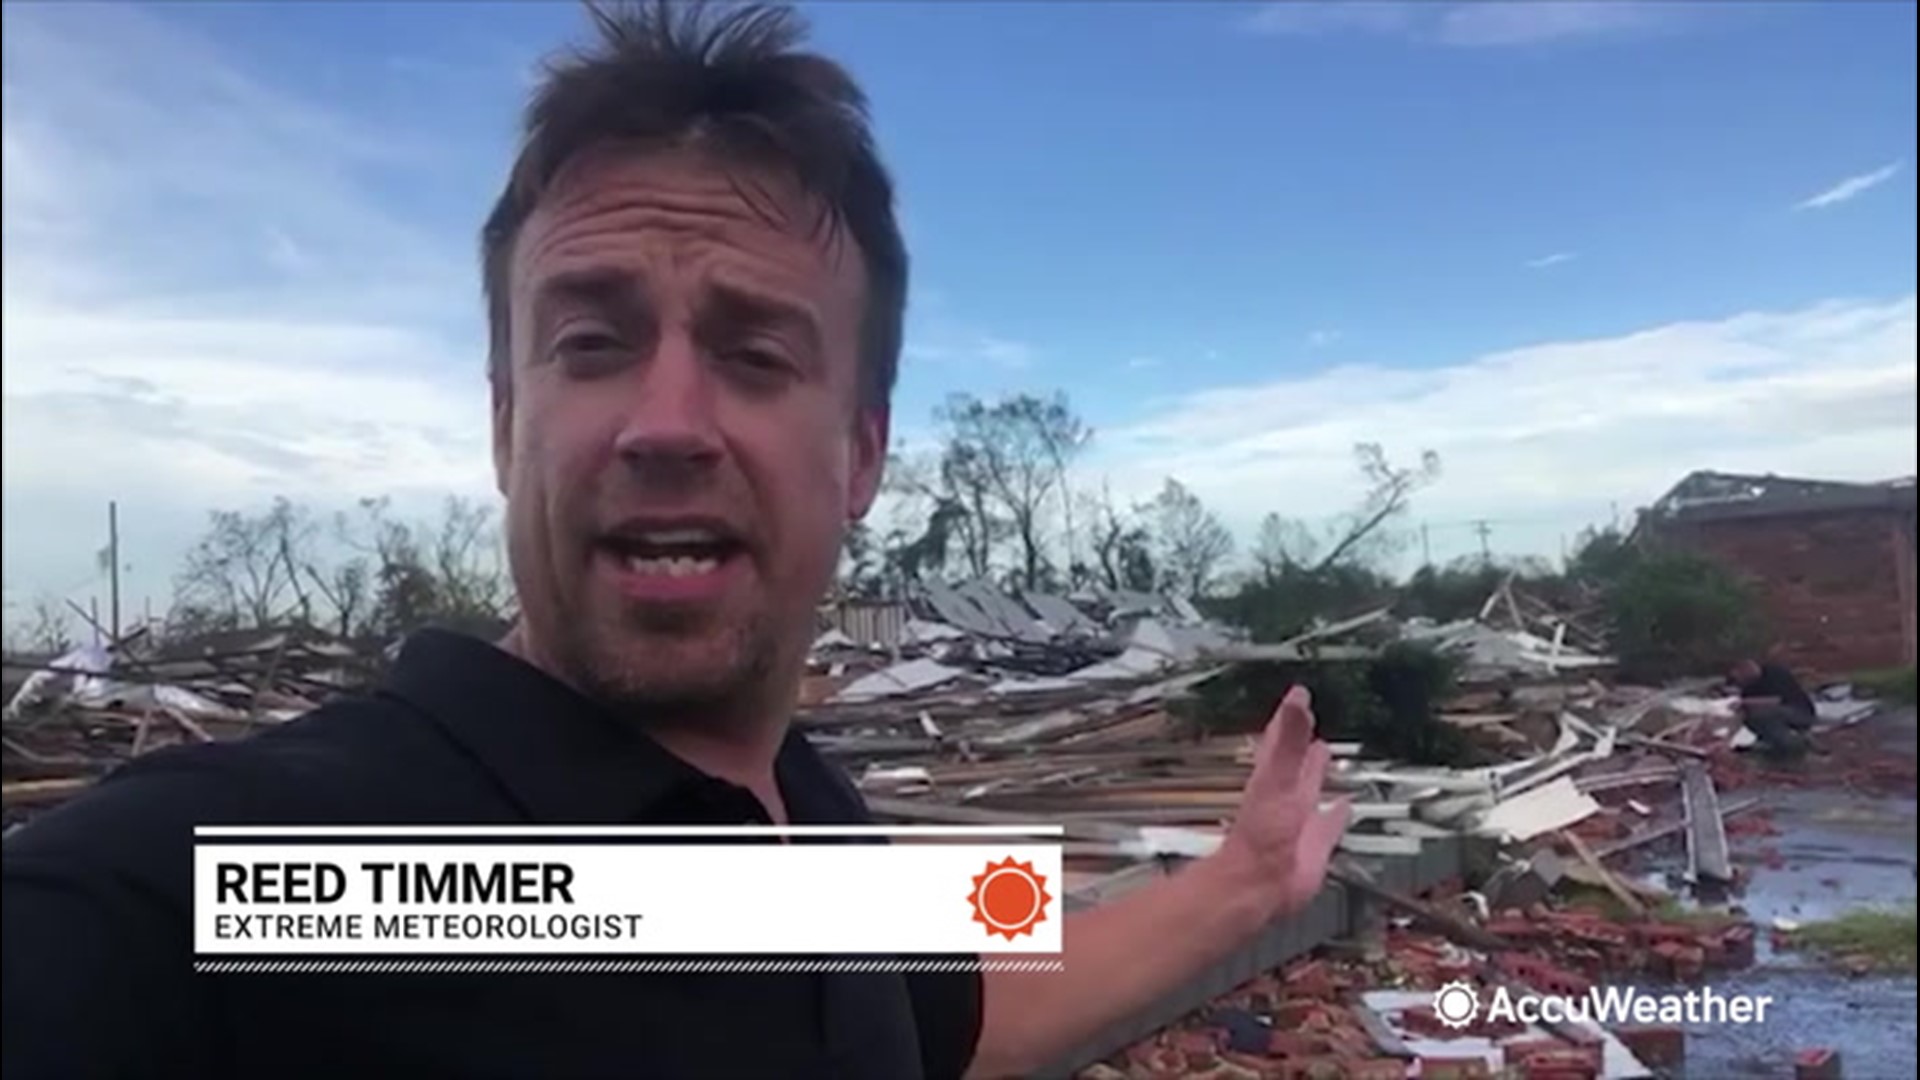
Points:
x=1009 y=898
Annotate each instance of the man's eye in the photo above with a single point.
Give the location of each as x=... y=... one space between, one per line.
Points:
x=760 y=359
x=589 y=352
x=588 y=342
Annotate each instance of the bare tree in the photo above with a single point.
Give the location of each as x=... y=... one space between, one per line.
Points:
x=1011 y=458
x=48 y=629
x=1281 y=544
x=245 y=571
x=1122 y=547
x=346 y=585
x=372 y=574
x=948 y=489
x=1388 y=492
x=449 y=573
x=1193 y=542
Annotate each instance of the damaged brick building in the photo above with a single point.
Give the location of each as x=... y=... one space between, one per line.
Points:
x=1832 y=563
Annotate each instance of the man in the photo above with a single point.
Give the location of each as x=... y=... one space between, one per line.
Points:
x=1774 y=706
x=695 y=288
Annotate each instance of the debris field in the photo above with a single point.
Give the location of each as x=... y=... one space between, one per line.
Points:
x=970 y=706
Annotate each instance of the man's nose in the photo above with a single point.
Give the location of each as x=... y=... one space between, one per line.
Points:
x=670 y=417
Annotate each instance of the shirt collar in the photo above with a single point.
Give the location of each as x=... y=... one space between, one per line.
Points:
x=566 y=760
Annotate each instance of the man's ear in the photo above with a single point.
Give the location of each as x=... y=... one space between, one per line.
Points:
x=871 y=429
x=502 y=396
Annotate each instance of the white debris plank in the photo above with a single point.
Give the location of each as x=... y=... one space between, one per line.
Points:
x=1541 y=810
x=1366 y=844
x=1706 y=830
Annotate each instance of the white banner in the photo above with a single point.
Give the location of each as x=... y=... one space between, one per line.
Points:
x=631 y=899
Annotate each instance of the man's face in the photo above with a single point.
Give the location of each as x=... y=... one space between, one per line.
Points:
x=679 y=439
x=1746 y=671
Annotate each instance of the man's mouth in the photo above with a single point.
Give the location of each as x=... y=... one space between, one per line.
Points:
x=686 y=552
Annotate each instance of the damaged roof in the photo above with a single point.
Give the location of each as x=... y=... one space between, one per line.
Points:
x=1707 y=496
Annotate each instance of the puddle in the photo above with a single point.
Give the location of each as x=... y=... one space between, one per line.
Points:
x=1837 y=852
x=1869 y=1020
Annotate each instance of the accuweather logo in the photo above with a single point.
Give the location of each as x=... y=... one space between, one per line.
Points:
x=1458 y=1004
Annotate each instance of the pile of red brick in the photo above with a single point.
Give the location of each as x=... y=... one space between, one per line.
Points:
x=1294 y=1024
x=1564 y=951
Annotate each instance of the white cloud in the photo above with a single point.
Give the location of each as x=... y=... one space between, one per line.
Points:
x=203 y=305
x=1547 y=261
x=1497 y=23
x=1320 y=339
x=1553 y=434
x=1852 y=187
x=1142 y=363
x=937 y=336
x=1318 y=17
x=1465 y=24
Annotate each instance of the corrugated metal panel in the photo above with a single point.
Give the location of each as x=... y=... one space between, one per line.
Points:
x=882 y=624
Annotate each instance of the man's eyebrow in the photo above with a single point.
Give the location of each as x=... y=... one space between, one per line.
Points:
x=729 y=302
x=599 y=286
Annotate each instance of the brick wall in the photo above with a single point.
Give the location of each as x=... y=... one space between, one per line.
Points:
x=1836 y=588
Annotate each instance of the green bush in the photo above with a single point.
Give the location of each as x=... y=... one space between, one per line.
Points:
x=1894 y=686
x=1386 y=704
x=1675 y=613
x=1278 y=606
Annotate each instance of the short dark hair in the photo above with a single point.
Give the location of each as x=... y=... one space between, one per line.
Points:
x=734 y=80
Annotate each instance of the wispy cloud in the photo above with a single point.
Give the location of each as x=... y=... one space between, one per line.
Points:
x=236 y=318
x=938 y=335
x=1497 y=23
x=1318 y=17
x=958 y=347
x=1142 y=363
x=1852 y=187
x=1320 y=339
x=1556 y=259
x=1468 y=24
x=1553 y=430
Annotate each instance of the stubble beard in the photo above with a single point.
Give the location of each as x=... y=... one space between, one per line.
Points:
x=661 y=669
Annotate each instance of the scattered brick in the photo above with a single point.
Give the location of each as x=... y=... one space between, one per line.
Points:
x=1293 y=1044
x=1543 y=975
x=1680 y=961
x=1321 y=1068
x=1262 y=1067
x=1454 y=1068
x=1819 y=1063
x=1377 y=1069
x=1658 y=1046
x=1202 y=1041
x=1308 y=978
x=1558 y=1058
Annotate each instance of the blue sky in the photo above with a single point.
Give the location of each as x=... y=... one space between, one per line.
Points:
x=1579 y=248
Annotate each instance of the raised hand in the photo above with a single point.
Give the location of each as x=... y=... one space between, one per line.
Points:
x=1282 y=835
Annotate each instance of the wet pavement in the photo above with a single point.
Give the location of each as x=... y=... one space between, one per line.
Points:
x=1835 y=852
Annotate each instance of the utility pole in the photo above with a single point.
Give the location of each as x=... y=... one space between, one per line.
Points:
x=1426 y=546
x=1483 y=529
x=113 y=553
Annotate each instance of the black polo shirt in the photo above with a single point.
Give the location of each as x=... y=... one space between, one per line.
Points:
x=98 y=897
x=1774 y=680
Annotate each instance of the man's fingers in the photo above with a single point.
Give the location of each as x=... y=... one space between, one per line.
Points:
x=1313 y=771
x=1292 y=730
x=1330 y=825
